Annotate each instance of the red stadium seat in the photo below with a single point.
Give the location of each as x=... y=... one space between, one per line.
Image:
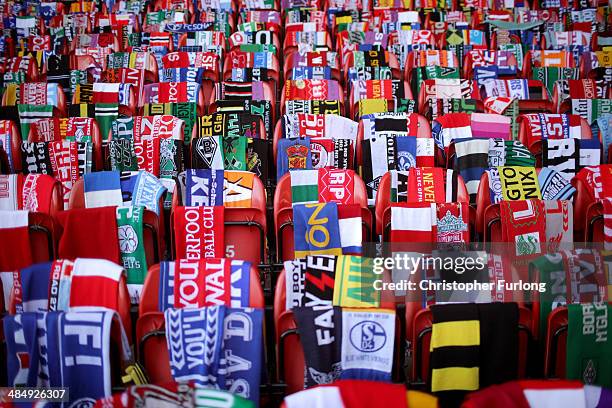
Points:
x=556 y=343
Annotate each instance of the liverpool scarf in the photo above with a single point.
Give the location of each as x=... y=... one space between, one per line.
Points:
x=452 y=224
x=559 y=223
x=524 y=224
x=588 y=343
x=205 y=282
x=130 y=223
x=199 y=232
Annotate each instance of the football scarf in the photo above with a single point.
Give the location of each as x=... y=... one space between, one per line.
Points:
x=366 y=343
x=13 y=229
x=104 y=113
x=312 y=107
x=138 y=396
x=205 y=365
x=457 y=369
x=295 y=275
x=518 y=183
x=559 y=223
x=463 y=363
x=550 y=75
x=293 y=154
x=552 y=126
x=262 y=108
x=452 y=223
x=186 y=111
x=316 y=229
x=413 y=222
x=588 y=343
x=322 y=185
x=562 y=155
x=449 y=127
x=32 y=192
x=65 y=165
x=554 y=186
x=238 y=189
x=199 y=232
x=426 y=184
x=105 y=279
x=29 y=114
x=524 y=224
x=203 y=187
x=47 y=352
x=205 y=282
x=130 y=223
x=78 y=241
x=102 y=189
x=207 y=153
x=471 y=161
x=509 y=153
x=354 y=280
x=229 y=124
x=317 y=323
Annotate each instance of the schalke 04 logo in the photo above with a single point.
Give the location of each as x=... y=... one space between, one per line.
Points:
x=368 y=336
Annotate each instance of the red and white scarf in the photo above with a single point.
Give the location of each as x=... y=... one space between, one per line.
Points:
x=199 y=232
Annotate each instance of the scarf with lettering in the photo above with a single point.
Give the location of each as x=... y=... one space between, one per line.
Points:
x=598 y=180
x=562 y=155
x=44 y=349
x=186 y=111
x=524 y=224
x=29 y=114
x=516 y=183
x=203 y=187
x=367 y=347
x=554 y=186
x=207 y=364
x=204 y=282
x=581 y=89
x=199 y=232
x=263 y=109
x=312 y=107
x=316 y=229
x=130 y=233
x=550 y=75
x=452 y=224
x=229 y=124
x=588 y=343
x=552 y=126
x=322 y=185
x=104 y=113
x=353 y=282
x=317 y=324
x=60 y=159
x=31 y=193
x=63 y=284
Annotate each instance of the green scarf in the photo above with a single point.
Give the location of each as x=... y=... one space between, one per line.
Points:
x=131 y=245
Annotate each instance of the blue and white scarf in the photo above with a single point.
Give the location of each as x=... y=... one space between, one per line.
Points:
x=202 y=187
x=141 y=188
x=49 y=350
x=217 y=347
